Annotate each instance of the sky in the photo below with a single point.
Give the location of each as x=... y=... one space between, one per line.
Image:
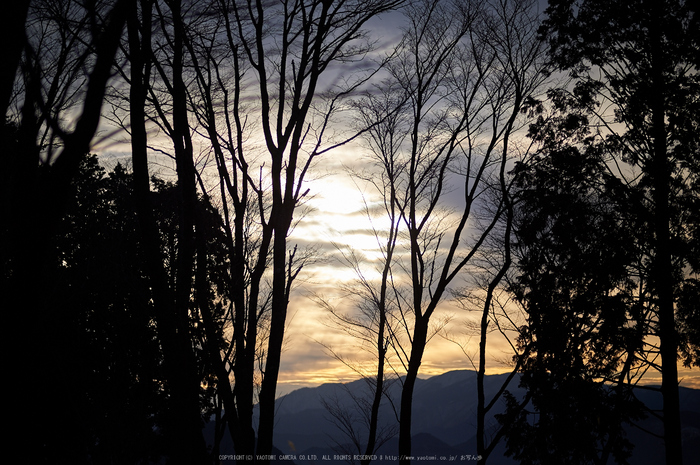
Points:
x=336 y=219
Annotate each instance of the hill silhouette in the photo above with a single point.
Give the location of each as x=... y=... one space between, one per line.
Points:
x=444 y=422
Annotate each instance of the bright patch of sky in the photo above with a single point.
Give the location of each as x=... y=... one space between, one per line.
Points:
x=334 y=221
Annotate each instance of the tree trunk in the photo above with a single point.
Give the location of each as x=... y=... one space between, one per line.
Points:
x=184 y=428
x=379 y=386
x=281 y=218
x=663 y=270
x=420 y=339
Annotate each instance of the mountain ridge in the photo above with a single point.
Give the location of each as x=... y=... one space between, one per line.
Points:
x=444 y=421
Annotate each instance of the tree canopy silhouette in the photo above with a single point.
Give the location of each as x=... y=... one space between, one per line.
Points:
x=145 y=306
x=575 y=246
x=108 y=382
x=632 y=106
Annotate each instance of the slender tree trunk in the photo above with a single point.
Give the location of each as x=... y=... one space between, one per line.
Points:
x=668 y=336
x=187 y=445
x=245 y=322
x=245 y=338
x=420 y=339
x=272 y=364
x=237 y=398
x=663 y=270
x=281 y=219
x=382 y=340
x=379 y=386
x=482 y=449
x=188 y=373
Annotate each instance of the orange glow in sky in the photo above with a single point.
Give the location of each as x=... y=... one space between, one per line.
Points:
x=337 y=218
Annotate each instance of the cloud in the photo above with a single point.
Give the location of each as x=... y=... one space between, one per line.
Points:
x=307 y=360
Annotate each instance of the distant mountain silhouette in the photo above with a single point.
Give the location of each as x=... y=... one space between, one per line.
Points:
x=444 y=422
x=444 y=418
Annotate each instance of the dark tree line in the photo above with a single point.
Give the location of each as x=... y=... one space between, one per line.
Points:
x=142 y=308
x=52 y=93
x=171 y=74
x=607 y=228
x=107 y=369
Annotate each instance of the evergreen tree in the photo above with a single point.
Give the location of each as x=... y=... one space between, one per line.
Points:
x=107 y=385
x=575 y=249
x=632 y=105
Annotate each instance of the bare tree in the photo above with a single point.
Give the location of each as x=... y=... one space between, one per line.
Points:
x=511 y=32
x=172 y=288
x=373 y=319
x=368 y=322
x=247 y=79
x=289 y=47
x=459 y=82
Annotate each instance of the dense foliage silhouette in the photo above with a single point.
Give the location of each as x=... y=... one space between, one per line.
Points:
x=140 y=308
x=575 y=246
x=610 y=247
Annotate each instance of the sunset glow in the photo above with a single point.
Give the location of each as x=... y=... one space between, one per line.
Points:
x=353 y=232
